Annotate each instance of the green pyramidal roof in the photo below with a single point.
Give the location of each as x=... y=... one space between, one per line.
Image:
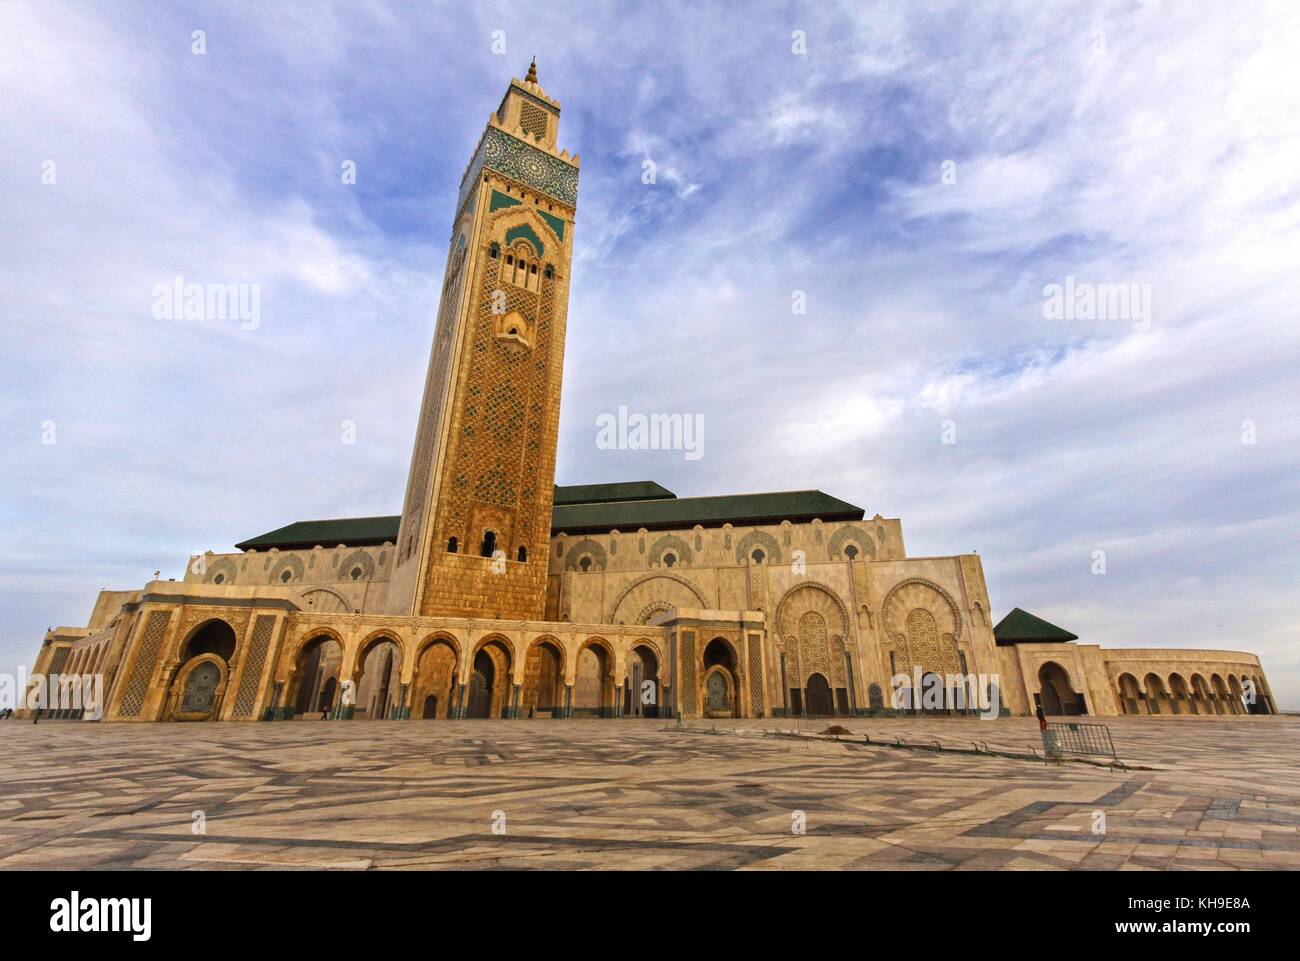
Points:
x=592 y=508
x=1021 y=627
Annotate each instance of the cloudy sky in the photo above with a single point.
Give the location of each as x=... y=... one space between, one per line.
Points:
x=920 y=172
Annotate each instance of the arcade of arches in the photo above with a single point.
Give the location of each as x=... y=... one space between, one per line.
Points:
x=820 y=662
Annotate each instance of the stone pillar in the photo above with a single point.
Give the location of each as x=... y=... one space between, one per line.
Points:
x=514 y=701
x=568 y=700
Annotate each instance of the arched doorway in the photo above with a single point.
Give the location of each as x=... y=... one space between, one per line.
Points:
x=593 y=684
x=718 y=699
x=489 y=681
x=198 y=686
x=481 y=680
x=314 y=682
x=720 y=685
x=1129 y=694
x=434 y=684
x=199 y=696
x=378 y=681
x=819 y=696
x=1055 y=692
x=641 y=697
x=543 y=694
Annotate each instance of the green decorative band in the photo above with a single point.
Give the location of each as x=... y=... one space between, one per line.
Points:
x=523 y=162
x=556 y=223
x=500 y=200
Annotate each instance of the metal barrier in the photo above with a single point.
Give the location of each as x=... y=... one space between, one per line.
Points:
x=1074 y=738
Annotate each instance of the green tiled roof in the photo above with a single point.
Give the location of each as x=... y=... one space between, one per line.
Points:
x=1021 y=627
x=680 y=512
x=593 y=508
x=609 y=493
x=352 y=531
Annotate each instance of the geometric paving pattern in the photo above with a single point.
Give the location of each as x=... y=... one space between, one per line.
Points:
x=585 y=794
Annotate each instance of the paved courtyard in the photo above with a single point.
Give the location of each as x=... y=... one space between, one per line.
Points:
x=637 y=794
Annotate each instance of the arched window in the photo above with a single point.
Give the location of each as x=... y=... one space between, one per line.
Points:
x=670 y=560
x=494 y=250
x=286 y=577
x=523 y=554
x=220 y=578
x=489 y=543
x=452 y=546
x=356 y=573
x=585 y=564
x=851 y=552
x=758 y=556
x=550 y=272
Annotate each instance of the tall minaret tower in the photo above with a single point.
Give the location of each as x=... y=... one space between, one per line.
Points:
x=476 y=522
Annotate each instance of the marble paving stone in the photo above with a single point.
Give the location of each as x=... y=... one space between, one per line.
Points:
x=642 y=795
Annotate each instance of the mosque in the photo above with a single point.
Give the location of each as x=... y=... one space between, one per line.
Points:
x=498 y=594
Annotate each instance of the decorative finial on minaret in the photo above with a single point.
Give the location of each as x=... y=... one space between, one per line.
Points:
x=532 y=72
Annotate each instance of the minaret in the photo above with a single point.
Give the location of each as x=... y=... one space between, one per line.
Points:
x=477 y=517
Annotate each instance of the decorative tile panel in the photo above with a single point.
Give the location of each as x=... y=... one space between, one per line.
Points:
x=146 y=659
x=523 y=162
x=251 y=680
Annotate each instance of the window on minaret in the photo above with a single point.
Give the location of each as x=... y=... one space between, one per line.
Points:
x=523 y=554
x=451 y=546
x=489 y=543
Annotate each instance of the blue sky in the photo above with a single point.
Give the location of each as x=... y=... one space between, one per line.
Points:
x=1120 y=143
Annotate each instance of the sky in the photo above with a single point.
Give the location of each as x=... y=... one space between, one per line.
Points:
x=843 y=265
